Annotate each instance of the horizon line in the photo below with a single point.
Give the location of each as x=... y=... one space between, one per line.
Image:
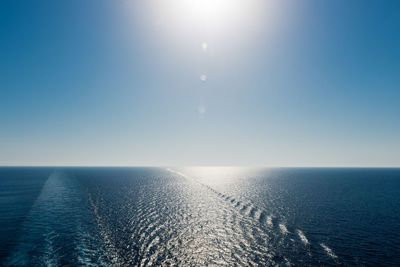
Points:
x=192 y=166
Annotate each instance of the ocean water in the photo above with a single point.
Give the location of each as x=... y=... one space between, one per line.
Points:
x=199 y=216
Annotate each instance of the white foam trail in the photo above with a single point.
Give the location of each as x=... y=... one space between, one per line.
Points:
x=287 y=262
x=328 y=251
x=50 y=257
x=269 y=220
x=258 y=215
x=176 y=172
x=104 y=233
x=303 y=238
x=283 y=228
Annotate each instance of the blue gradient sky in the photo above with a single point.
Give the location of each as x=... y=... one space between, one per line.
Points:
x=289 y=83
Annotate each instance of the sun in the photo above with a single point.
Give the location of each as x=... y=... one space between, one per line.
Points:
x=211 y=16
x=210 y=12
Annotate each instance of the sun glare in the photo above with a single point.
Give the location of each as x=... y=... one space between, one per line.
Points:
x=212 y=17
x=210 y=12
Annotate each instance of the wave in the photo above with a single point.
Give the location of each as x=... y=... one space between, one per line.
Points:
x=250 y=211
x=303 y=238
x=56 y=231
x=283 y=228
x=328 y=251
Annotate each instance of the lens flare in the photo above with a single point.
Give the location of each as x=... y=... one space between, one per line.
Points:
x=204 y=46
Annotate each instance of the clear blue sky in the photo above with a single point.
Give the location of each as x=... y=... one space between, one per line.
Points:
x=288 y=83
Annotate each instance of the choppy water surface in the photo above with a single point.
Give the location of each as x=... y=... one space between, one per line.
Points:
x=199 y=216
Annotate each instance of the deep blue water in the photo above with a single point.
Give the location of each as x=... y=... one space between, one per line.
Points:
x=199 y=216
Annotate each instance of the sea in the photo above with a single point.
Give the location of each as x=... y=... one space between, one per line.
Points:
x=199 y=216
